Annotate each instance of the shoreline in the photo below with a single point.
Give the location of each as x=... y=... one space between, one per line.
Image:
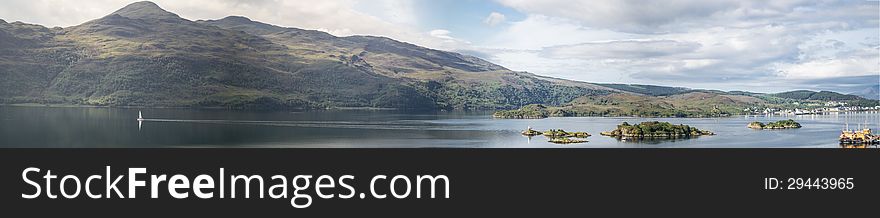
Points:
x=712 y=117
x=488 y=112
x=198 y=108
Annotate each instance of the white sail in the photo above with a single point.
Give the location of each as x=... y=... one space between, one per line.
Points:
x=140 y=120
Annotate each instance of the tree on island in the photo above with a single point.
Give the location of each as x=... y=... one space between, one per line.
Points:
x=782 y=124
x=656 y=129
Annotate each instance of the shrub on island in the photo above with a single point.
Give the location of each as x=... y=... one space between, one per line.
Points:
x=655 y=129
x=533 y=111
x=782 y=124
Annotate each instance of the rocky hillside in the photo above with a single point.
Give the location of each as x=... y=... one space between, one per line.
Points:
x=142 y=55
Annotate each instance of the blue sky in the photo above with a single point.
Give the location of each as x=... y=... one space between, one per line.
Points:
x=463 y=18
x=753 y=45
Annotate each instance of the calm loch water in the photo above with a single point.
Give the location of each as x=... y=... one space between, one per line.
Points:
x=117 y=127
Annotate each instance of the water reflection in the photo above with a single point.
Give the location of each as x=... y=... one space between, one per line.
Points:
x=650 y=140
x=118 y=127
x=857 y=146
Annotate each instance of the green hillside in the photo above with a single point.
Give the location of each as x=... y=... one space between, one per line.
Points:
x=695 y=103
x=142 y=55
x=819 y=96
x=692 y=104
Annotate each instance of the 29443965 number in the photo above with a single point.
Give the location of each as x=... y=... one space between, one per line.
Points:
x=800 y=183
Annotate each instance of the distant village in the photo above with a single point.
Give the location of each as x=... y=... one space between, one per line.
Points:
x=829 y=107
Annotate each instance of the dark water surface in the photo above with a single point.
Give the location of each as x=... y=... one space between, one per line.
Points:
x=118 y=127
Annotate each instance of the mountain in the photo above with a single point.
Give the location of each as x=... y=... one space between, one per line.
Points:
x=872 y=92
x=29 y=58
x=143 y=55
x=384 y=56
x=145 y=10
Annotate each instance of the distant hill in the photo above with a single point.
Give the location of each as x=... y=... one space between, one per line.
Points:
x=811 y=95
x=690 y=104
x=679 y=102
x=648 y=89
x=872 y=92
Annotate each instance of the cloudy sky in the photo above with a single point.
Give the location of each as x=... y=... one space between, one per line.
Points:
x=762 y=46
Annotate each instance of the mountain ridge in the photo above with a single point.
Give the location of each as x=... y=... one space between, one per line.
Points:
x=144 y=10
x=142 y=55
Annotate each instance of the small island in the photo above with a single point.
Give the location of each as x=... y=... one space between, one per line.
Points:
x=531 y=132
x=655 y=129
x=782 y=124
x=534 y=111
x=559 y=136
x=559 y=133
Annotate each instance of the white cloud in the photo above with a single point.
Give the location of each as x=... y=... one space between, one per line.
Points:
x=621 y=15
x=701 y=44
x=57 y=13
x=494 y=18
x=538 y=31
x=622 y=49
x=593 y=71
x=447 y=41
x=678 y=15
x=441 y=33
x=830 y=68
x=393 y=11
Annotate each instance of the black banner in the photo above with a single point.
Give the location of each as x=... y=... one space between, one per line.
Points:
x=486 y=182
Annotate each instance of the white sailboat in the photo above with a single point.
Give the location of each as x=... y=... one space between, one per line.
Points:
x=140 y=120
